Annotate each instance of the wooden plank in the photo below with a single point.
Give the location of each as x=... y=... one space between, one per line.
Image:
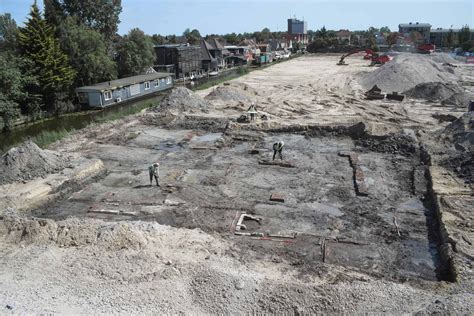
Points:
x=277 y=197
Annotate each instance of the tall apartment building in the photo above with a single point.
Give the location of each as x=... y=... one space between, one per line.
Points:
x=298 y=30
x=422 y=28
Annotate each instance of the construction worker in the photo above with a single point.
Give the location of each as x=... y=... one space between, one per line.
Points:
x=154 y=171
x=278 y=147
x=252 y=111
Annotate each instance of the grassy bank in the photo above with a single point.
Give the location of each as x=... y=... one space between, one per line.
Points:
x=136 y=108
x=45 y=138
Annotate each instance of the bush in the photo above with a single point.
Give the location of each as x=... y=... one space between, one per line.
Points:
x=468 y=46
x=242 y=70
x=47 y=137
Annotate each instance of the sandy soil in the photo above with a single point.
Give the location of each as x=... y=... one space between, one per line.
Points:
x=172 y=249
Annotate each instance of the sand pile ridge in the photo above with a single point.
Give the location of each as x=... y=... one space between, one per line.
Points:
x=28 y=161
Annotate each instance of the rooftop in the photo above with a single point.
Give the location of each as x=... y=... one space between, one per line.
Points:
x=177 y=46
x=414 y=24
x=343 y=33
x=128 y=81
x=441 y=30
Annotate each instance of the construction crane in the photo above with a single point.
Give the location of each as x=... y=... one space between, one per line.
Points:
x=375 y=58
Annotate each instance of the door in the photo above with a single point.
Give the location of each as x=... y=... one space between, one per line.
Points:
x=135 y=89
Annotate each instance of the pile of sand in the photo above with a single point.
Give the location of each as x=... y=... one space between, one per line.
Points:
x=406 y=71
x=444 y=93
x=443 y=58
x=73 y=232
x=28 y=161
x=460 y=133
x=182 y=99
x=231 y=93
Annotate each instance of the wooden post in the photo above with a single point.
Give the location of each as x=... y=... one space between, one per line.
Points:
x=323 y=248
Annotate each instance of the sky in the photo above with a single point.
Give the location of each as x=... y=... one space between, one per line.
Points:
x=227 y=16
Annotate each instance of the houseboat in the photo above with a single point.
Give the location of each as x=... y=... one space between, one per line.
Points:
x=108 y=93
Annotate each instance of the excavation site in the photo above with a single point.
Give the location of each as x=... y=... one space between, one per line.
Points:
x=293 y=189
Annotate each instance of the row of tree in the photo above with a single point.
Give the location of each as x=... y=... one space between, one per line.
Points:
x=193 y=37
x=74 y=43
x=328 y=39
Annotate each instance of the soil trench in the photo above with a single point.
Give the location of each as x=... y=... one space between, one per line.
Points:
x=202 y=186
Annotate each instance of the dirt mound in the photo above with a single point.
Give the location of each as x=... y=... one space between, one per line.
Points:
x=406 y=71
x=443 y=92
x=182 y=99
x=231 y=93
x=210 y=124
x=392 y=143
x=443 y=58
x=461 y=163
x=461 y=134
x=73 y=232
x=28 y=161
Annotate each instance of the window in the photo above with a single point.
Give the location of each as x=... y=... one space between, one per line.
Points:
x=157 y=83
x=107 y=95
x=168 y=80
x=147 y=85
x=163 y=81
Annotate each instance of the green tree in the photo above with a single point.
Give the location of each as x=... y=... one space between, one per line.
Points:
x=13 y=90
x=450 y=39
x=354 y=41
x=54 y=12
x=134 y=53
x=373 y=30
x=9 y=111
x=464 y=35
x=318 y=43
x=158 y=39
x=87 y=53
x=468 y=46
x=392 y=38
x=8 y=33
x=322 y=33
x=263 y=36
x=385 y=29
x=45 y=59
x=171 y=39
x=192 y=37
x=101 y=15
x=231 y=38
